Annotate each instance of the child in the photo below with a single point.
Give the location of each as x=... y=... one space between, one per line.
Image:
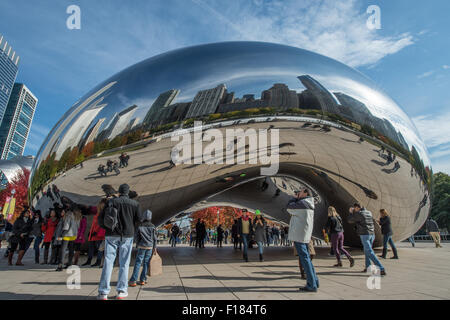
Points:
x=146 y=244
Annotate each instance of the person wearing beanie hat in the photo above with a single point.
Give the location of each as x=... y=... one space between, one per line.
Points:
x=128 y=213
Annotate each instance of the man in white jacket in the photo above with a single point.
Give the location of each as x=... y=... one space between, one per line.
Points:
x=301 y=209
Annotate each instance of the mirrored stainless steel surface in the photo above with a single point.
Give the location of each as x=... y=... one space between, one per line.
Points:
x=339 y=134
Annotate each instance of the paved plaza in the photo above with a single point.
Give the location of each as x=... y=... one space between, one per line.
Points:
x=219 y=273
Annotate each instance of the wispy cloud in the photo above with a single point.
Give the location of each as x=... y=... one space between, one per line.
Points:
x=425 y=74
x=434 y=129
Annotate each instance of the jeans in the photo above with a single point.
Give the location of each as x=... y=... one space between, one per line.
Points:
x=244 y=237
x=388 y=239
x=125 y=247
x=337 y=243
x=260 y=247
x=142 y=258
x=37 y=242
x=94 y=246
x=367 y=241
x=173 y=240
x=312 y=282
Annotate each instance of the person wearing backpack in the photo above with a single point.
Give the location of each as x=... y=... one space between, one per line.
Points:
x=336 y=230
x=118 y=218
x=146 y=240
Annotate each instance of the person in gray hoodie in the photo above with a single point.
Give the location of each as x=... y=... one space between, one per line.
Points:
x=365 y=229
x=301 y=209
x=146 y=240
x=68 y=234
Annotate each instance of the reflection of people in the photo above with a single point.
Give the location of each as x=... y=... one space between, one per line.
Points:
x=433 y=230
x=365 y=229
x=301 y=209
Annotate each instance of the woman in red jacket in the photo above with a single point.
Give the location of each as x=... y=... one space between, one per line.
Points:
x=96 y=237
x=80 y=238
x=48 y=228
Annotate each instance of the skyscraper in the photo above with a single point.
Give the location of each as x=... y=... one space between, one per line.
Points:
x=16 y=122
x=279 y=96
x=206 y=101
x=163 y=100
x=327 y=101
x=120 y=122
x=8 y=72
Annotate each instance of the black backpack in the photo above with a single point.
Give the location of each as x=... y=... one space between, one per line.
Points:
x=111 y=219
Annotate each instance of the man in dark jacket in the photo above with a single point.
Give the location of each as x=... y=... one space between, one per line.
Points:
x=433 y=230
x=235 y=235
x=365 y=229
x=245 y=229
x=174 y=235
x=128 y=213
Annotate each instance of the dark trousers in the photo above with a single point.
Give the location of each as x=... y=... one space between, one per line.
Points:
x=66 y=245
x=93 y=249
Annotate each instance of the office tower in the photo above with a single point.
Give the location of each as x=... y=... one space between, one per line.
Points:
x=327 y=101
x=92 y=133
x=75 y=133
x=206 y=101
x=279 y=96
x=163 y=100
x=8 y=72
x=16 y=122
x=119 y=122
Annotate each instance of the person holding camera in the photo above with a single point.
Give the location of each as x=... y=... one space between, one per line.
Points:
x=259 y=225
x=365 y=228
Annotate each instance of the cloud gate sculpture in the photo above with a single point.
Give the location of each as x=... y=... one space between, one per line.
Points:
x=337 y=134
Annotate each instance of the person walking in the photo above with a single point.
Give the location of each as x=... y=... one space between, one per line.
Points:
x=67 y=235
x=80 y=238
x=259 y=224
x=96 y=236
x=386 y=230
x=235 y=235
x=245 y=229
x=174 y=235
x=220 y=234
x=432 y=229
x=301 y=209
x=226 y=234
x=48 y=228
x=21 y=229
x=411 y=240
x=118 y=219
x=146 y=240
x=335 y=228
x=36 y=234
x=365 y=229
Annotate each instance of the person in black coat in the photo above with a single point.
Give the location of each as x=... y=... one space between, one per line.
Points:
x=386 y=230
x=245 y=229
x=21 y=229
x=235 y=235
x=220 y=233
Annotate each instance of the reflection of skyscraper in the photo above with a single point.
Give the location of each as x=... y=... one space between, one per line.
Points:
x=206 y=101
x=76 y=131
x=16 y=122
x=279 y=96
x=326 y=99
x=120 y=122
x=68 y=117
x=8 y=72
x=163 y=100
x=92 y=134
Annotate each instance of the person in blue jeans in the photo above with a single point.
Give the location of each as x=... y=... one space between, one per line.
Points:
x=259 y=225
x=245 y=229
x=365 y=229
x=301 y=210
x=146 y=240
x=121 y=238
x=386 y=230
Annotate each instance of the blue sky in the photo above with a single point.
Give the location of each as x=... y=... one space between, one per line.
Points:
x=408 y=57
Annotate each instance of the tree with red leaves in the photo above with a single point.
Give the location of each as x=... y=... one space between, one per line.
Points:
x=209 y=215
x=20 y=184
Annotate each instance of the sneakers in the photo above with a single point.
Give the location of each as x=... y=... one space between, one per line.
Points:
x=102 y=297
x=121 y=295
x=132 y=284
x=306 y=289
x=142 y=283
x=383 y=272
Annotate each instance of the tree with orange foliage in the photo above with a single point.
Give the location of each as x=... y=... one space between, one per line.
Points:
x=20 y=184
x=88 y=149
x=209 y=216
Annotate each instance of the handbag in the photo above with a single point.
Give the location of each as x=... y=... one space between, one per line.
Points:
x=155 y=265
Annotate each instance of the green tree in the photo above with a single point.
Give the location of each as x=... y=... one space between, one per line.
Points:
x=440 y=210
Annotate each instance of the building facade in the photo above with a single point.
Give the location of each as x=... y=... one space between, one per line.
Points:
x=163 y=100
x=8 y=72
x=16 y=122
x=206 y=101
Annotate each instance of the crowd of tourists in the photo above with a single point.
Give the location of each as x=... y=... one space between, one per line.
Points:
x=118 y=222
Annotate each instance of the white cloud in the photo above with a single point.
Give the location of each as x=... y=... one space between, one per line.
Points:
x=434 y=129
x=334 y=28
x=425 y=74
x=445 y=67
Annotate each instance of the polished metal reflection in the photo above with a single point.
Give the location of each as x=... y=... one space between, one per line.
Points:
x=339 y=134
x=11 y=167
